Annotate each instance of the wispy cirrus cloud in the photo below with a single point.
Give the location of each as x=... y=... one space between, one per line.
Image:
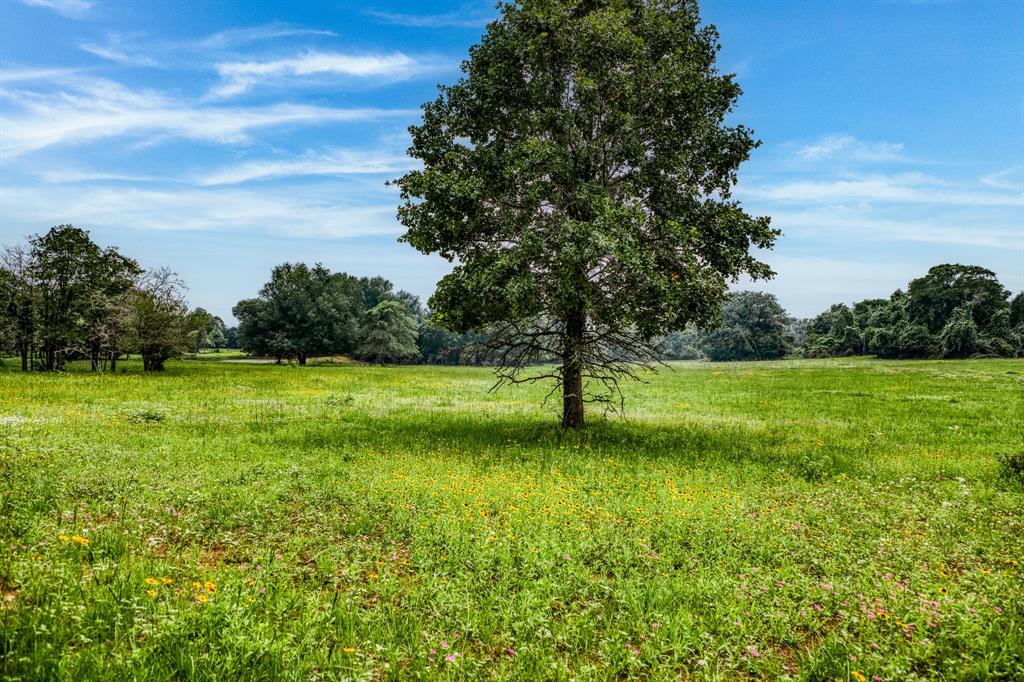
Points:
x=332 y=162
x=862 y=224
x=912 y=188
x=469 y=18
x=115 y=51
x=1011 y=179
x=239 y=77
x=86 y=110
x=841 y=145
x=63 y=176
x=72 y=9
x=142 y=50
x=235 y=37
x=16 y=75
x=311 y=211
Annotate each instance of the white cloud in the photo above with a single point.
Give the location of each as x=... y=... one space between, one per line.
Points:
x=31 y=74
x=336 y=162
x=838 y=145
x=114 y=52
x=200 y=52
x=1009 y=179
x=305 y=212
x=73 y=9
x=233 y=37
x=239 y=77
x=860 y=225
x=464 y=19
x=66 y=176
x=900 y=188
x=94 y=109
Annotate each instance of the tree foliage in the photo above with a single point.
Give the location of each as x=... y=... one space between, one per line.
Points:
x=581 y=173
x=753 y=328
x=158 y=324
x=952 y=311
x=388 y=334
x=301 y=312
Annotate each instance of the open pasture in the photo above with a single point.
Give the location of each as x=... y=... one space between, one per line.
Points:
x=809 y=519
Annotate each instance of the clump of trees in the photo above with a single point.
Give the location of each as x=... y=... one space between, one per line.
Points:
x=304 y=312
x=954 y=311
x=63 y=297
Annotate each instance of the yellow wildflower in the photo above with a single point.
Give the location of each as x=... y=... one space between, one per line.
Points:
x=151 y=593
x=858 y=676
x=78 y=539
x=210 y=587
x=349 y=650
x=63 y=538
x=167 y=581
x=152 y=581
x=197 y=585
x=202 y=598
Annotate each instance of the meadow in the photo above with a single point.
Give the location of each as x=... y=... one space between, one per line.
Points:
x=819 y=520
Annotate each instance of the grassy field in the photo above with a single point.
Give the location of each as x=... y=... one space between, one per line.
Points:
x=806 y=519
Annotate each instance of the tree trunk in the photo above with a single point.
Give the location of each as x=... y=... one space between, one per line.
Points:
x=24 y=357
x=572 y=372
x=113 y=362
x=302 y=358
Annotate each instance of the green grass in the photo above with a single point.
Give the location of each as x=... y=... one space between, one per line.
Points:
x=811 y=519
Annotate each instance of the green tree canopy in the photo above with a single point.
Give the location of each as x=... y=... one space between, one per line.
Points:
x=753 y=328
x=946 y=287
x=388 y=334
x=301 y=312
x=581 y=173
x=76 y=283
x=157 y=322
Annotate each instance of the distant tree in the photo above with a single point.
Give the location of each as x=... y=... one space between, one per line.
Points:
x=914 y=341
x=375 y=290
x=437 y=345
x=211 y=333
x=959 y=337
x=834 y=333
x=8 y=311
x=416 y=308
x=682 y=345
x=157 y=323
x=1017 y=310
x=76 y=282
x=999 y=339
x=753 y=328
x=301 y=312
x=796 y=330
x=20 y=304
x=581 y=174
x=205 y=321
x=231 y=337
x=934 y=297
x=388 y=334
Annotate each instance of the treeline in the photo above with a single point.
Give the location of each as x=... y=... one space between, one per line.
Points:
x=954 y=311
x=304 y=312
x=63 y=297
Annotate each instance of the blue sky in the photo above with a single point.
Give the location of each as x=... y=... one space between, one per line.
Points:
x=222 y=138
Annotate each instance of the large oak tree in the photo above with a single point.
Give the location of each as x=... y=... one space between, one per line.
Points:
x=580 y=174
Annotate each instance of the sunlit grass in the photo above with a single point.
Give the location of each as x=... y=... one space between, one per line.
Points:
x=813 y=519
